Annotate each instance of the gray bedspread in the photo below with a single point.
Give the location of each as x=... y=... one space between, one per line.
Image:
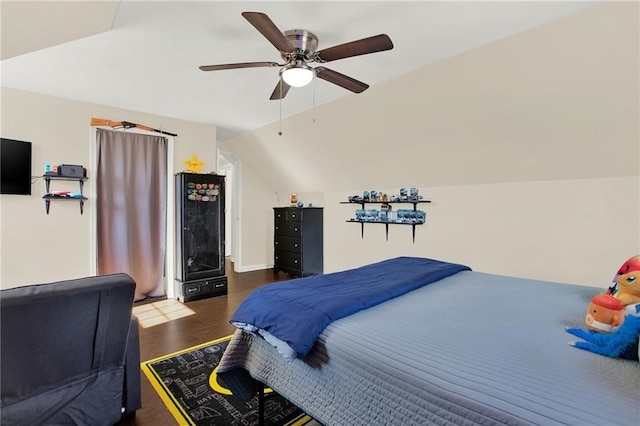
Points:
x=473 y=348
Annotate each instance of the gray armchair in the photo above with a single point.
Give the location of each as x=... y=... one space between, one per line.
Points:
x=69 y=352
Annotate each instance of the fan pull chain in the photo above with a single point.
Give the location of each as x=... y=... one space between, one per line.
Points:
x=313 y=108
x=280 y=122
x=280 y=102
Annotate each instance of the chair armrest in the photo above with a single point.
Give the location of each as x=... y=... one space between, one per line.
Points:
x=132 y=394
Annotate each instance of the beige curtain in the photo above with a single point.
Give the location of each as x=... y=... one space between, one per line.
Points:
x=131 y=203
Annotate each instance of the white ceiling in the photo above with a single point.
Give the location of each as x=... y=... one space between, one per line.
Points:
x=144 y=55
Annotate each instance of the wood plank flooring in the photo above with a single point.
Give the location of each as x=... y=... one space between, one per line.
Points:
x=210 y=321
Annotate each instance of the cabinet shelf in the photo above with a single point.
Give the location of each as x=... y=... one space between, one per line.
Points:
x=48 y=197
x=387 y=223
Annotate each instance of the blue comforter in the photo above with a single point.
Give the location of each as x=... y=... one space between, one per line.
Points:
x=297 y=311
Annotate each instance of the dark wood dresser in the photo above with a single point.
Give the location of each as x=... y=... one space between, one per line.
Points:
x=297 y=240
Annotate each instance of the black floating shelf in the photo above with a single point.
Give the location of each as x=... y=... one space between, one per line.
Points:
x=385 y=202
x=363 y=222
x=49 y=196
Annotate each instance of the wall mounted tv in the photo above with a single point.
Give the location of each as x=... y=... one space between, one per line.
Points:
x=15 y=167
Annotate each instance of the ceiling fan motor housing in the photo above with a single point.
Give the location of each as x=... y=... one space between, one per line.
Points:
x=305 y=44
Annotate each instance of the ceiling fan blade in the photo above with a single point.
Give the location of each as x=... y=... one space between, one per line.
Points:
x=269 y=30
x=280 y=91
x=377 y=43
x=238 y=65
x=341 y=80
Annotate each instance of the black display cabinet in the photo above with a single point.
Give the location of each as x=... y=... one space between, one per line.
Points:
x=200 y=209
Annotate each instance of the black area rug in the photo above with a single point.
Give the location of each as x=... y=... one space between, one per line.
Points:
x=187 y=384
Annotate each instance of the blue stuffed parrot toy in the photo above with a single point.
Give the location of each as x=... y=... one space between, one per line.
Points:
x=622 y=343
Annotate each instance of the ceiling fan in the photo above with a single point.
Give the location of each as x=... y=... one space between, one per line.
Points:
x=298 y=49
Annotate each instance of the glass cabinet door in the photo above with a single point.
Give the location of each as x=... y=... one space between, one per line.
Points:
x=200 y=226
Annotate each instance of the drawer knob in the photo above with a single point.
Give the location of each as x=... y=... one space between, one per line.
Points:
x=295 y=261
x=276 y=243
x=295 y=245
x=295 y=229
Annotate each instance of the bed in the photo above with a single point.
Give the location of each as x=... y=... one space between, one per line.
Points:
x=469 y=348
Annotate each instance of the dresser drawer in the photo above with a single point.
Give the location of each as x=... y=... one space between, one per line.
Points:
x=217 y=286
x=293 y=245
x=294 y=215
x=288 y=260
x=194 y=290
x=288 y=229
x=288 y=214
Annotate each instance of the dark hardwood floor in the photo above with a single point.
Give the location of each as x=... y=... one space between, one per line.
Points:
x=210 y=321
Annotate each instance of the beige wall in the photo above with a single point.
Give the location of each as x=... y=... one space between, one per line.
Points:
x=564 y=230
x=36 y=247
x=529 y=148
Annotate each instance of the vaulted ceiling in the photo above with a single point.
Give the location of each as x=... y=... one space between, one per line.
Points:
x=144 y=55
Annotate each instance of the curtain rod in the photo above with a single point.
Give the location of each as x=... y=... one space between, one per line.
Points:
x=125 y=125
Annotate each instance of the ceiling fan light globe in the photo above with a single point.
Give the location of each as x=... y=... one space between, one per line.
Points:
x=297 y=76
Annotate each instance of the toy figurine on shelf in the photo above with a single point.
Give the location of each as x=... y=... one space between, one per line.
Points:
x=403 y=194
x=294 y=199
x=384 y=212
x=414 y=195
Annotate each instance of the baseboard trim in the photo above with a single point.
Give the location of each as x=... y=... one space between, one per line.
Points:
x=255 y=267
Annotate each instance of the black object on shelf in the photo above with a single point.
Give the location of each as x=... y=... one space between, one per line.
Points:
x=387 y=223
x=200 y=233
x=49 y=196
x=298 y=240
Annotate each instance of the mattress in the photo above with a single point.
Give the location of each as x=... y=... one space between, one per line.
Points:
x=470 y=349
x=292 y=314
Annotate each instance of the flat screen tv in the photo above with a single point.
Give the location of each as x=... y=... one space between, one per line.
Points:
x=15 y=167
